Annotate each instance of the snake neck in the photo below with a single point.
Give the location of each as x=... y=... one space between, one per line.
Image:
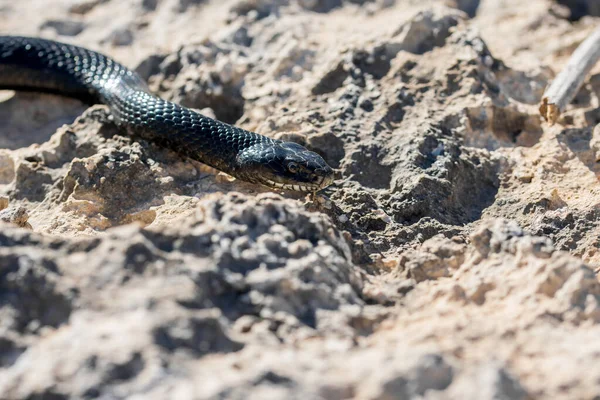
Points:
x=183 y=130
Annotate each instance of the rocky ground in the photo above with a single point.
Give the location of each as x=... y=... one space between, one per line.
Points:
x=455 y=257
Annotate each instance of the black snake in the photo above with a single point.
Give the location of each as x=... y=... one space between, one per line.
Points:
x=45 y=65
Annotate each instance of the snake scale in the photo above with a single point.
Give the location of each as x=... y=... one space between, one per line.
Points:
x=36 y=64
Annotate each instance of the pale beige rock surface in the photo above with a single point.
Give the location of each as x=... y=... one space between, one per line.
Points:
x=455 y=257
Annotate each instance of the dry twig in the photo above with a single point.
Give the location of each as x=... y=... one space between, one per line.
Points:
x=568 y=82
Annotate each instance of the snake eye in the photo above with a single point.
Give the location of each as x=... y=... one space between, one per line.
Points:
x=293 y=167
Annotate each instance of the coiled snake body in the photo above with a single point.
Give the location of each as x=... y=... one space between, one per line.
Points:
x=45 y=65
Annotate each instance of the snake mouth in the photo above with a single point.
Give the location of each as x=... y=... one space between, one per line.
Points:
x=322 y=183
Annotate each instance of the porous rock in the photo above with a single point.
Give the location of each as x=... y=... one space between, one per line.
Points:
x=454 y=257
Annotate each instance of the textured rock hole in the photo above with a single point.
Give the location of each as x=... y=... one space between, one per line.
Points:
x=476 y=192
x=85 y=6
x=9 y=352
x=53 y=310
x=433 y=373
x=150 y=66
x=120 y=37
x=581 y=8
x=149 y=5
x=376 y=63
x=27 y=287
x=228 y=104
x=271 y=377
x=455 y=186
x=224 y=98
x=27 y=118
x=199 y=336
x=455 y=202
x=395 y=113
x=329 y=146
x=30 y=183
x=128 y=370
x=49 y=394
x=582 y=143
x=423 y=33
x=368 y=169
x=7 y=169
x=118 y=194
x=494 y=127
x=592 y=117
x=184 y=5
x=139 y=256
x=331 y=80
x=64 y=27
x=324 y=6
x=260 y=8
x=583 y=98
x=468 y=6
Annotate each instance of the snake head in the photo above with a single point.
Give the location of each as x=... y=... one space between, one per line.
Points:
x=284 y=165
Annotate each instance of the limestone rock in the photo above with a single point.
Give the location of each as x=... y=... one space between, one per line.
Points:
x=455 y=257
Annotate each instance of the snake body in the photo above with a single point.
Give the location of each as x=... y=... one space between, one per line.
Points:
x=44 y=65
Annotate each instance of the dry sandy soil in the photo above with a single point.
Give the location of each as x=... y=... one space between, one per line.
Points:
x=455 y=257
